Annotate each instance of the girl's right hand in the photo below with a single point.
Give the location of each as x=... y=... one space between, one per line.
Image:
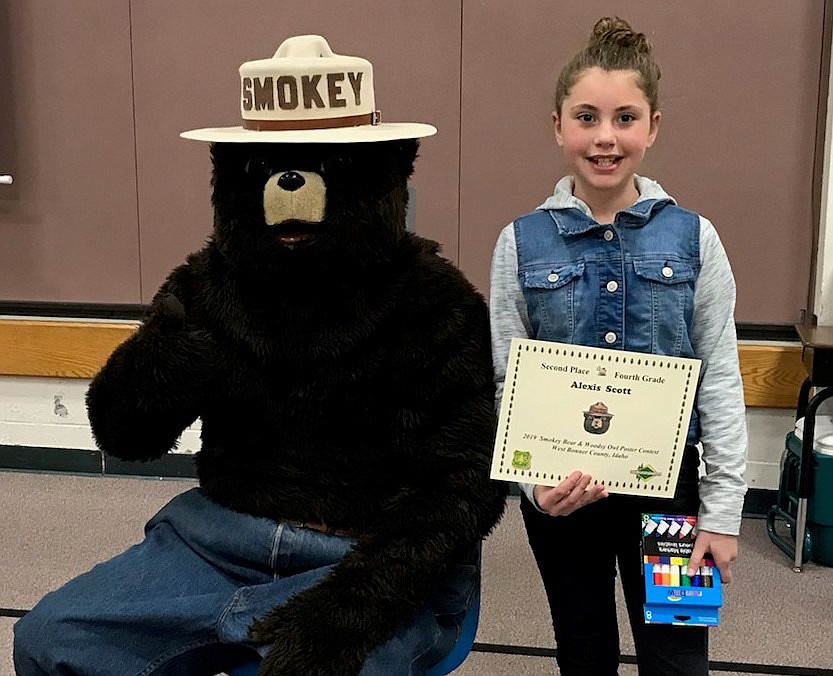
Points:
x=568 y=496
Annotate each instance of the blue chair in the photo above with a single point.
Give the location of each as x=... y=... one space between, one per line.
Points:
x=449 y=663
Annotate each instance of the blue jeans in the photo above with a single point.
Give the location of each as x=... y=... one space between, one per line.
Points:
x=182 y=601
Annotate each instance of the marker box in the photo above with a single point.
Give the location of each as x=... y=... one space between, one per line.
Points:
x=671 y=595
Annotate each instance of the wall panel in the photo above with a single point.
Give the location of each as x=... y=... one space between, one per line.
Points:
x=108 y=199
x=739 y=94
x=68 y=226
x=186 y=58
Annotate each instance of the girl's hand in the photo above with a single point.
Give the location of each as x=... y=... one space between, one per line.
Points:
x=568 y=496
x=723 y=548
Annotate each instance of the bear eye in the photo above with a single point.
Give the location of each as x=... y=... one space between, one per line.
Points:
x=256 y=166
x=336 y=163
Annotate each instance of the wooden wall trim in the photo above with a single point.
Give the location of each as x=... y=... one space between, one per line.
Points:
x=59 y=349
x=772 y=374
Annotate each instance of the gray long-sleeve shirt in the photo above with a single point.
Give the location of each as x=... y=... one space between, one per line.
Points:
x=720 y=395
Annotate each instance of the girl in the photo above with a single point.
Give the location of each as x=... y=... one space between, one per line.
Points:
x=633 y=272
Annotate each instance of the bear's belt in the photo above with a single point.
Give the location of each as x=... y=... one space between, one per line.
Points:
x=320 y=527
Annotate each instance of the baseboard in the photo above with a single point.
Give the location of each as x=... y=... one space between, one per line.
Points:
x=758 y=501
x=75 y=461
x=170 y=466
x=38 y=459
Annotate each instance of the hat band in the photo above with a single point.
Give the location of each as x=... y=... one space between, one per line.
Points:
x=320 y=123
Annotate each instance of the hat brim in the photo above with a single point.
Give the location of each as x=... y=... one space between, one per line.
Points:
x=368 y=133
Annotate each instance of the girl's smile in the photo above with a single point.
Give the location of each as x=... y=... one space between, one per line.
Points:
x=605 y=162
x=604 y=127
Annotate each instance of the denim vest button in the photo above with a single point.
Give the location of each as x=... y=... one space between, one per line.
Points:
x=667 y=272
x=612 y=285
x=608 y=235
x=610 y=337
x=552 y=277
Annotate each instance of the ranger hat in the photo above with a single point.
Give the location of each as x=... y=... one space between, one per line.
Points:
x=308 y=94
x=600 y=410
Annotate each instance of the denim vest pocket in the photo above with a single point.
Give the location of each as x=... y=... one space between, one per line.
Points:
x=664 y=270
x=550 y=298
x=669 y=288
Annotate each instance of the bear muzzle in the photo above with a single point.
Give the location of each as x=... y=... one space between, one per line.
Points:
x=293 y=204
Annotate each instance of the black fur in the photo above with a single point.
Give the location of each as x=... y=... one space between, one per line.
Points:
x=347 y=380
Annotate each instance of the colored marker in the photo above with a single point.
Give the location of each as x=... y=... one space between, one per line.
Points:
x=675 y=526
x=657 y=573
x=675 y=576
x=666 y=575
x=663 y=526
x=650 y=526
x=685 y=580
x=696 y=579
x=706 y=575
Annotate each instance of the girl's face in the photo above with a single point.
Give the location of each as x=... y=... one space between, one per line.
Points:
x=605 y=125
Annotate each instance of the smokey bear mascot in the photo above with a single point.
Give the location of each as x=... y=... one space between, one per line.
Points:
x=342 y=373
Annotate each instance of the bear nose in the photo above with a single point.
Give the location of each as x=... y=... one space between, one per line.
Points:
x=291 y=180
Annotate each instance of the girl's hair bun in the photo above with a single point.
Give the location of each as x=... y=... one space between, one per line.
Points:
x=613 y=46
x=613 y=32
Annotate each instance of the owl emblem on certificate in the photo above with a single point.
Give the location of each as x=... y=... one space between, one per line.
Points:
x=622 y=417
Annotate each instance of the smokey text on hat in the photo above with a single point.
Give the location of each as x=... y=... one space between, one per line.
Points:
x=309 y=91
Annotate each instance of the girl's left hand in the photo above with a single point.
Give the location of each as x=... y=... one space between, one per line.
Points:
x=723 y=548
x=571 y=494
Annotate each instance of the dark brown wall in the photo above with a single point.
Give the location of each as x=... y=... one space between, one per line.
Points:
x=107 y=198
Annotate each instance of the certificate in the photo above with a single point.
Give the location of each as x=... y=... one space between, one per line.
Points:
x=621 y=417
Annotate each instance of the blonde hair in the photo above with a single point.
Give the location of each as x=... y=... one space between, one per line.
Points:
x=613 y=45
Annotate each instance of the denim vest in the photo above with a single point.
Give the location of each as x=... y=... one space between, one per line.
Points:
x=625 y=286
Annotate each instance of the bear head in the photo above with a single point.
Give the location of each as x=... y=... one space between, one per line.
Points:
x=288 y=207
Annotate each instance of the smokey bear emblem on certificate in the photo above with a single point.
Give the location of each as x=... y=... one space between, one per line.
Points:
x=558 y=409
x=597 y=419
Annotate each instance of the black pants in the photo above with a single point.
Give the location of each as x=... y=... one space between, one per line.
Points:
x=577 y=557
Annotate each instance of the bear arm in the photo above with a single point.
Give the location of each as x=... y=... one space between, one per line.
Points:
x=153 y=385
